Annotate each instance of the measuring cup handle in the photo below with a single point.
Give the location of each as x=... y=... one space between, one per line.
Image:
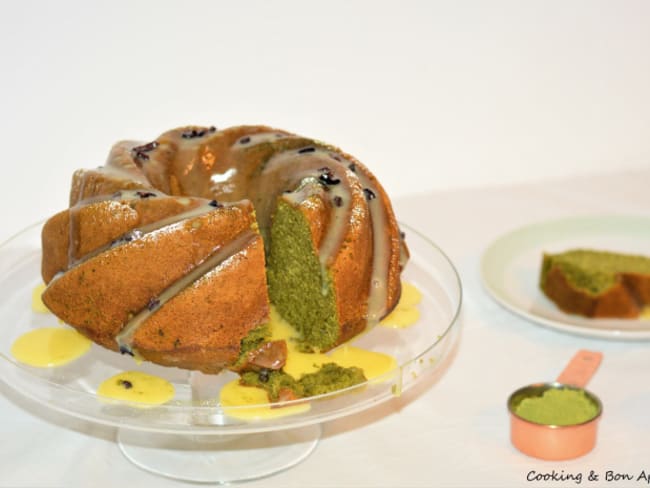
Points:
x=581 y=368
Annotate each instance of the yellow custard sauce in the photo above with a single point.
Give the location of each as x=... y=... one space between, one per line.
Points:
x=256 y=403
x=50 y=346
x=373 y=364
x=298 y=364
x=135 y=386
x=406 y=313
x=55 y=346
x=37 y=303
x=645 y=313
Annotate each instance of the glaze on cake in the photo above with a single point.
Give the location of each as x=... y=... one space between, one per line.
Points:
x=164 y=250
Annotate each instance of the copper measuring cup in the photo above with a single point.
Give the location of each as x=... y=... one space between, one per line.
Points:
x=557 y=442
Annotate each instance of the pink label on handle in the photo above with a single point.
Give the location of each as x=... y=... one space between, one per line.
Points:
x=581 y=368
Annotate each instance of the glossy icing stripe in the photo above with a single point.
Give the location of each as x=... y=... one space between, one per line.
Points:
x=378 y=294
x=125 y=195
x=378 y=291
x=117 y=170
x=309 y=186
x=308 y=167
x=378 y=286
x=114 y=169
x=403 y=252
x=125 y=338
x=132 y=234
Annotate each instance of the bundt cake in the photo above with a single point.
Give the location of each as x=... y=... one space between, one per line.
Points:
x=174 y=249
x=597 y=284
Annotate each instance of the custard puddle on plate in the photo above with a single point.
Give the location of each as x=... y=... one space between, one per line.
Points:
x=57 y=346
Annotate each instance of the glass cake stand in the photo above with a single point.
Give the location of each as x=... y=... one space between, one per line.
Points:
x=193 y=437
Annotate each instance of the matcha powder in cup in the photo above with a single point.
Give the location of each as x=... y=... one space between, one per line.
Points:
x=558 y=406
x=558 y=420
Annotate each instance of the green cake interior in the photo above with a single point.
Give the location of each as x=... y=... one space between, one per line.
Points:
x=296 y=289
x=254 y=339
x=295 y=280
x=593 y=271
x=330 y=377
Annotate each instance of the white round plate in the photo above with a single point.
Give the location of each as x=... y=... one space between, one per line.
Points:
x=510 y=269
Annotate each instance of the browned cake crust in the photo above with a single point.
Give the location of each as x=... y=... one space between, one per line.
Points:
x=161 y=211
x=201 y=329
x=597 y=283
x=74 y=233
x=101 y=294
x=620 y=300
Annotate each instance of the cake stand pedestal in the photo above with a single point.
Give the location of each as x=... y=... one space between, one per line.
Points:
x=218 y=459
x=195 y=438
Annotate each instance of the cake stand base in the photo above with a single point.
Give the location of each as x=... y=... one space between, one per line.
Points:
x=218 y=459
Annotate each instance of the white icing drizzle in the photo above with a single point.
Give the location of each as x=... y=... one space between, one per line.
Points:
x=121 y=165
x=378 y=291
x=380 y=254
x=125 y=338
x=120 y=195
x=72 y=228
x=306 y=168
x=309 y=186
x=337 y=226
x=122 y=173
x=403 y=253
x=137 y=233
x=112 y=170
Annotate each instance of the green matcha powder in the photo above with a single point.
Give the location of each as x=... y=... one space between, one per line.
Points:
x=558 y=406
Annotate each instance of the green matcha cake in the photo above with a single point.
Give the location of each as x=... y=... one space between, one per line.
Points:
x=282 y=387
x=298 y=287
x=597 y=284
x=176 y=249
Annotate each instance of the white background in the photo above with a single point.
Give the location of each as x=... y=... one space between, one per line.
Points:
x=430 y=95
x=434 y=97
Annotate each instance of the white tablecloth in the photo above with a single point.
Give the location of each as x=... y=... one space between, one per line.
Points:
x=451 y=430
